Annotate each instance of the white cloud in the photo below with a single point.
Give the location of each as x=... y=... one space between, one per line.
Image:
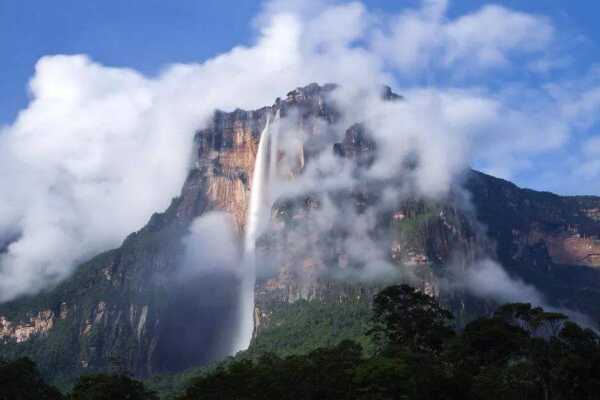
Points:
x=99 y=149
x=418 y=41
x=489 y=36
x=211 y=246
x=83 y=158
x=487 y=279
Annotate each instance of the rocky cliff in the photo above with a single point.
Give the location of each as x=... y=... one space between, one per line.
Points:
x=130 y=305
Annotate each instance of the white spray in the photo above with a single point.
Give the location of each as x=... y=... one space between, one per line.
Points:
x=260 y=203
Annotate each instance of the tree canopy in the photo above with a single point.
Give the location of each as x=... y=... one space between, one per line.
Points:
x=21 y=380
x=519 y=352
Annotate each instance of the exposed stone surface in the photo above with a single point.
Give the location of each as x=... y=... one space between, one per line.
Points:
x=225 y=156
x=356 y=146
x=39 y=324
x=568 y=247
x=130 y=303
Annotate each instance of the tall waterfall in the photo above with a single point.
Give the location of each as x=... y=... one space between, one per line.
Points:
x=260 y=204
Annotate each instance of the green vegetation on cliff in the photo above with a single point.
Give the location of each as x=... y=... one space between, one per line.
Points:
x=302 y=326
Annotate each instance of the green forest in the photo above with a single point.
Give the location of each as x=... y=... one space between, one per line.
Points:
x=519 y=352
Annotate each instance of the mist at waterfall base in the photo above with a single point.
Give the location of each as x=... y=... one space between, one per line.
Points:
x=215 y=283
x=203 y=318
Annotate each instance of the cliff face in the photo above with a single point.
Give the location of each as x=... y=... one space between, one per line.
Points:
x=547 y=240
x=38 y=325
x=131 y=303
x=226 y=153
x=129 y=306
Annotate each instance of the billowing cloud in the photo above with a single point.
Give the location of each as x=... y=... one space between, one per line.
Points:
x=211 y=246
x=422 y=40
x=487 y=279
x=99 y=149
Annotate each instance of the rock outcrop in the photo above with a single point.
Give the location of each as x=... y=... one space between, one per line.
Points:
x=37 y=325
x=131 y=303
x=129 y=306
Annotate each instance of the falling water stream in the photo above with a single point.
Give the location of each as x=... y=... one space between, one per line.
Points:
x=260 y=203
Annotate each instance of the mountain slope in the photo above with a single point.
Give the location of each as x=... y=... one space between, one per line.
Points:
x=130 y=306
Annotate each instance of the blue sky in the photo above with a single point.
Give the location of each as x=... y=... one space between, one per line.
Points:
x=147 y=35
x=144 y=35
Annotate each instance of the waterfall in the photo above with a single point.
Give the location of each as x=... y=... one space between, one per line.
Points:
x=260 y=204
x=274 y=137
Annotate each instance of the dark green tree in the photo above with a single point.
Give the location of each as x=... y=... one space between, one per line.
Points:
x=21 y=380
x=381 y=377
x=575 y=363
x=491 y=342
x=326 y=373
x=535 y=320
x=407 y=319
x=110 y=387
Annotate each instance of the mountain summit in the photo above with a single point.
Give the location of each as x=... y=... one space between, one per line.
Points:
x=334 y=232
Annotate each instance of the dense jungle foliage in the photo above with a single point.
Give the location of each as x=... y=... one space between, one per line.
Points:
x=519 y=352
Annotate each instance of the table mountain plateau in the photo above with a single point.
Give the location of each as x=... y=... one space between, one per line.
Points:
x=132 y=306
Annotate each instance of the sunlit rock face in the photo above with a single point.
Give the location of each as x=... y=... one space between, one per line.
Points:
x=225 y=158
x=131 y=305
x=331 y=246
x=226 y=150
x=39 y=324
